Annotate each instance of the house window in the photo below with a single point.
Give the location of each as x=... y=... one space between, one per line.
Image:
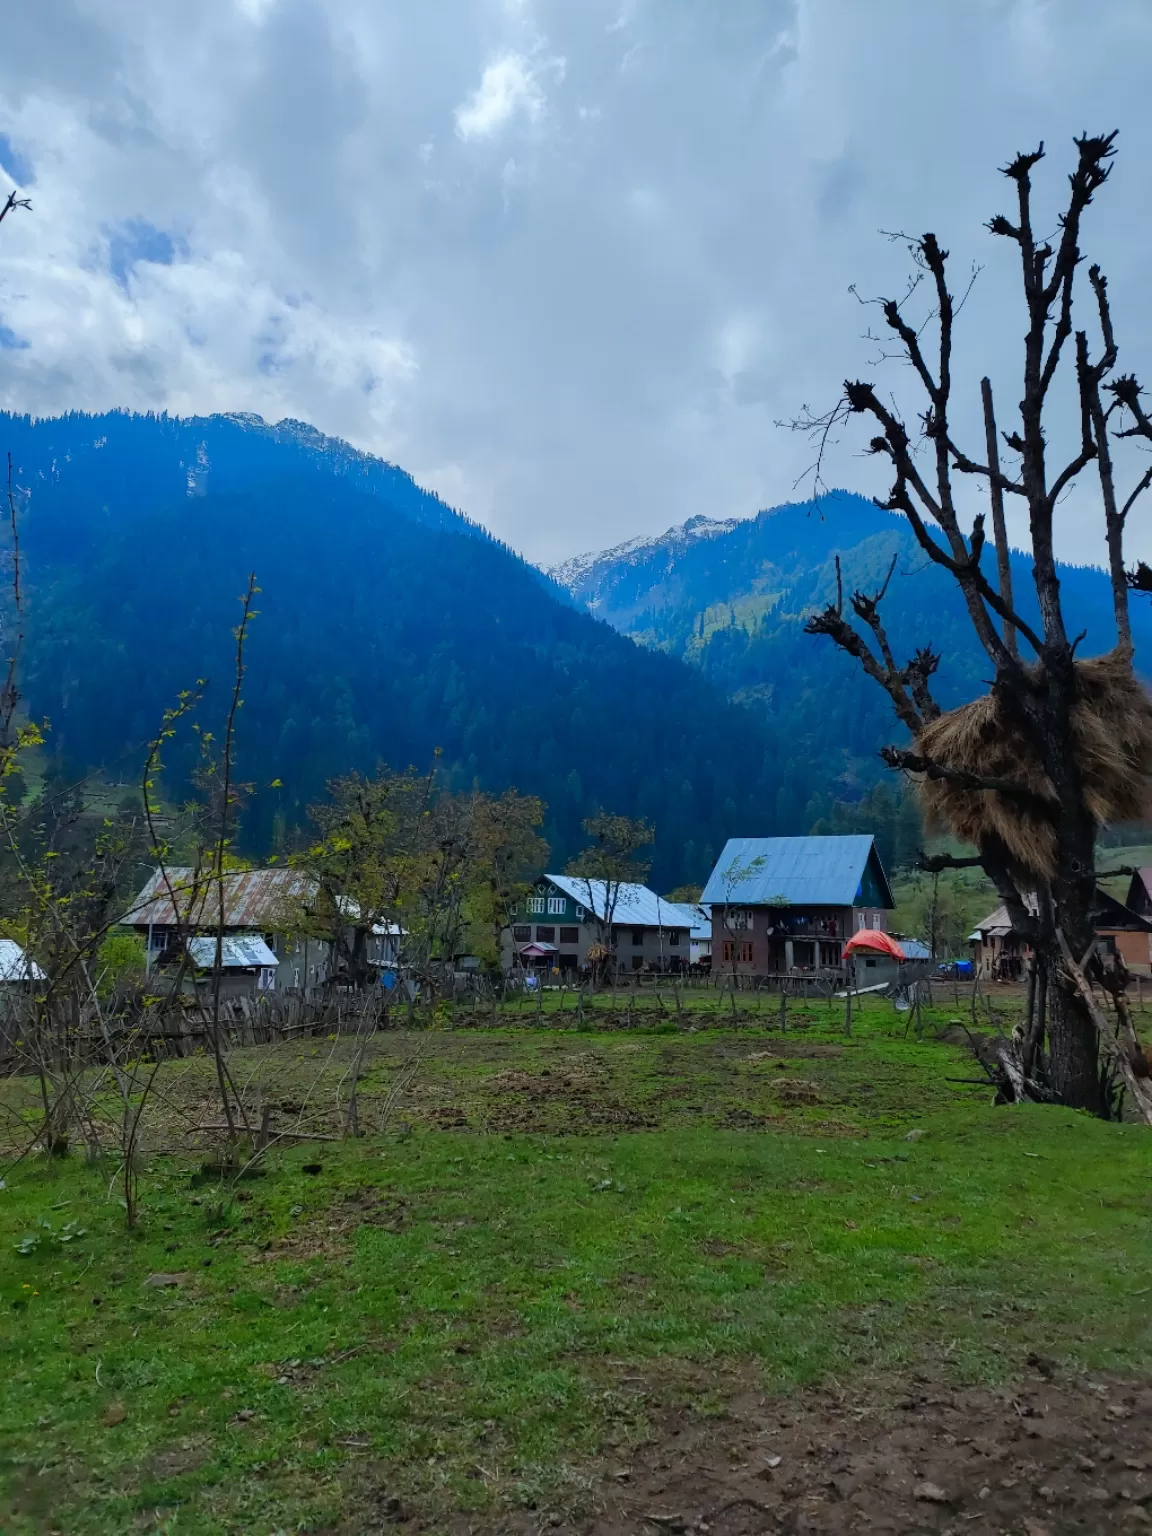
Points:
x=746 y=953
x=637 y=962
x=569 y=935
x=556 y=906
x=861 y=921
x=536 y=904
x=727 y=949
x=545 y=935
x=521 y=935
x=674 y=936
x=580 y=913
x=637 y=938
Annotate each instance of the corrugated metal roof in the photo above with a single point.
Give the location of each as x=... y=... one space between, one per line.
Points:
x=915 y=949
x=15 y=965
x=701 y=919
x=636 y=905
x=238 y=950
x=793 y=871
x=998 y=924
x=253 y=898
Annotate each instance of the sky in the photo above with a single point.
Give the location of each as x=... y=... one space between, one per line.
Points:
x=569 y=262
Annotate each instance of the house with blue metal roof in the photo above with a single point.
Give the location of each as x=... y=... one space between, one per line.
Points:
x=564 y=917
x=788 y=905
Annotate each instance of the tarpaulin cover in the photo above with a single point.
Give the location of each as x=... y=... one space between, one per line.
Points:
x=873 y=941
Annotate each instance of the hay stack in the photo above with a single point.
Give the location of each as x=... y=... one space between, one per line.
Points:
x=1112 y=741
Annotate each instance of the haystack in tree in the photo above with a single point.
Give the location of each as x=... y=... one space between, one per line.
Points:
x=1062 y=743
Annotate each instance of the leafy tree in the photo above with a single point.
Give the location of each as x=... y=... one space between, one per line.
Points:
x=614 y=857
x=509 y=855
x=121 y=957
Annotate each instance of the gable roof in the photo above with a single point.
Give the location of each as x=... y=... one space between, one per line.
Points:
x=635 y=904
x=253 y=898
x=1108 y=913
x=796 y=871
x=1144 y=876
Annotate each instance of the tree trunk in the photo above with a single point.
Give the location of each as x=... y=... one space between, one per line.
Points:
x=1073 y=1044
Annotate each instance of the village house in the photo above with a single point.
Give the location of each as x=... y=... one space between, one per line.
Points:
x=700 y=939
x=565 y=916
x=788 y=905
x=1001 y=953
x=266 y=945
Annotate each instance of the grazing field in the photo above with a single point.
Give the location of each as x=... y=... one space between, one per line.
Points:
x=605 y=1279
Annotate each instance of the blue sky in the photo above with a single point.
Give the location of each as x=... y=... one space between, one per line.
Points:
x=568 y=261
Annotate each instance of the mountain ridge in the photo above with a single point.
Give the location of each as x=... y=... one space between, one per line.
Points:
x=390 y=627
x=734 y=605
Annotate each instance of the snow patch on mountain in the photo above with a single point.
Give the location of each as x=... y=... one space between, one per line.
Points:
x=576 y=573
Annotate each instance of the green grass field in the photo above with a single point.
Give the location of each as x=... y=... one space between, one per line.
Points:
x=469 y=1309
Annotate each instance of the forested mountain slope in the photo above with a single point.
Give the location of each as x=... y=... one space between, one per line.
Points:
x=731 y=599
x=388 y=627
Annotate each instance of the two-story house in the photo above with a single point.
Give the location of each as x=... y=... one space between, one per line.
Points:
x=268 y=945
x=564 y=916
x=782 y=905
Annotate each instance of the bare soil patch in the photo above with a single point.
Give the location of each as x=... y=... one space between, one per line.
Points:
x=1053 y=1454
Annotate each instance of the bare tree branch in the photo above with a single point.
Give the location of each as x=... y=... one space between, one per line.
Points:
x=996 y=491
x=916 y=762
x=12 y=202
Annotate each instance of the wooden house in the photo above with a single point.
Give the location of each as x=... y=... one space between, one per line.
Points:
x=1001 y=953
x=788 y=905
x=266 y=928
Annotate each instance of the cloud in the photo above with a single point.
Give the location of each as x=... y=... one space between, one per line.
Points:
x=510 y=84
x=570 y=260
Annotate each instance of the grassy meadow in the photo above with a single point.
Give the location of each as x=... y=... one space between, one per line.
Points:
x=551 y=1229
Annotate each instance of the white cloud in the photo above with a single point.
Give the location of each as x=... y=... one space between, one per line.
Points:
x=397 y=221
x=508 y=85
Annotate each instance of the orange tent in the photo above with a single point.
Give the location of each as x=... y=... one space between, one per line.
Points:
x=872 y=941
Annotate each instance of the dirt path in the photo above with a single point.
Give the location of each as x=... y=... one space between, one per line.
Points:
x=1055 y=1454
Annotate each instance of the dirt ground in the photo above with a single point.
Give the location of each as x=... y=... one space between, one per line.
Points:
x=1055 y=1454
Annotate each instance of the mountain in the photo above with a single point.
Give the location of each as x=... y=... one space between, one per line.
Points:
x=730 y=599
x=389 y=626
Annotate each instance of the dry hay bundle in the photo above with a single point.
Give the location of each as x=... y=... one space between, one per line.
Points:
x=1111 y=739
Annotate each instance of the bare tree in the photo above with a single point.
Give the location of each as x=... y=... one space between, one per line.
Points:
x=736 y=920
x=1061 y=745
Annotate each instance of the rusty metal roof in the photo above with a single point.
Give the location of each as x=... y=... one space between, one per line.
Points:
x=253 y=898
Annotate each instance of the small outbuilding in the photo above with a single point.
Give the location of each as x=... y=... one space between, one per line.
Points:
x=17 y=968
